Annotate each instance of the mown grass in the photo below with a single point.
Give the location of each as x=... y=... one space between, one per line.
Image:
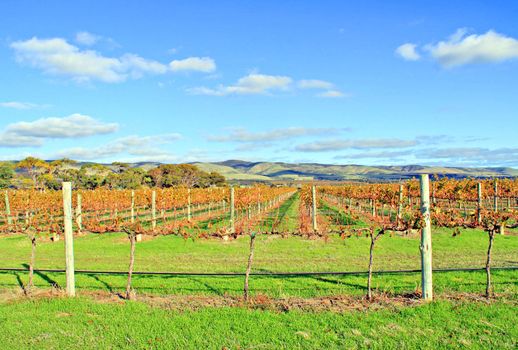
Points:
x=82 y=323
x=273 y=254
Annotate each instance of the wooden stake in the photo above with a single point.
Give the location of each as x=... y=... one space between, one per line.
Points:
x=400 y=205
x=189 y=204
x=426 y=240
x=153 y=209
x=132 y=217
x=314 y=208
x=8 y=209
x=232 y=211
x=479 y=203
x=69 y=239
x=79 y=213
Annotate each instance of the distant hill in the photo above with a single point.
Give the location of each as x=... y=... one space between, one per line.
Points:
x=238 y=170
x=243 y=171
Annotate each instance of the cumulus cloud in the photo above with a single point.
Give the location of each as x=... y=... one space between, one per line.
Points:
x=336 y=145
x=142 y=147
x=34 y=134
x=248 y=85
x=197 y=64
x=58 y=57
x=75 y=125
x=86 y=38
x=243 y=135
x=408 y=52
x=461 y=49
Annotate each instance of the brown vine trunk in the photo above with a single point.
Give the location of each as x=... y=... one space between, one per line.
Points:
x=249 y=266
x=369 y=279
x=30 y=285
x=132 y=237
x=488 y=263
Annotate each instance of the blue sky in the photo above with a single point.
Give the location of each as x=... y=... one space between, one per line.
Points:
x=371 y=82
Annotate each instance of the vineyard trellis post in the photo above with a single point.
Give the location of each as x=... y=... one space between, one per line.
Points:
x=479 y=203
x=8 y=209
x=69 y=238
x=400 y=205
x=153 y=210
x=189 y=204
x=232 y=211
x=426 y=240
x=79 y=213
x=495 y=197
x=132 y=207
x=314 y=207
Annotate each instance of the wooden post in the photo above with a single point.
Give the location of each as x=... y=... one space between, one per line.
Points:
x=69 y=238
x=400 y=205
x=8 y=209
x=132 y=215
x=314 y=207
x=495 y=197
x=426 y=240
x=189 y=204
x=232 y=211
x=153 y=210
x=479 y=203
x=79 y=212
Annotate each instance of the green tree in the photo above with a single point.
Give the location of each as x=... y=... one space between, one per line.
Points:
x=6 y=175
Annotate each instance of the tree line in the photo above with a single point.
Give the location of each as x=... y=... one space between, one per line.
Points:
x=35 y=173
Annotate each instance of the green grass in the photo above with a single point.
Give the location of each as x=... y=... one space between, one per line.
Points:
x=82 y=323
x=273 y=254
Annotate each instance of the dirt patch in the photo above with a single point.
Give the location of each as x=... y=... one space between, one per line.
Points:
x=337 y=304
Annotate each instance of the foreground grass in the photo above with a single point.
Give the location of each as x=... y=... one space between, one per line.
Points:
x=273 y=253
x=82 y=323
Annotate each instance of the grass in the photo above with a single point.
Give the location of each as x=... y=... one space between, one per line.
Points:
x=96 y=319
x=83 y=323
x=273 y=254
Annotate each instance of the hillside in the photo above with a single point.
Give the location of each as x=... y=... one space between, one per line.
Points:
x=238 y=170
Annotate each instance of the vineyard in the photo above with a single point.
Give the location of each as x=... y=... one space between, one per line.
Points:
x=323 y=213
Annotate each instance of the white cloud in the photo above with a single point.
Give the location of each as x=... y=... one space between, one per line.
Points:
x=332 y=94
x=143 y=147
x=56 y=56
x=408 y=52
x=35 y=133
x=20 y=105
x=336 y=145
x=198 y=64
x=86 y=38
x=75 y=125
x=460 y=49
x=315 y=84
x=243 y=135
x=248 y=85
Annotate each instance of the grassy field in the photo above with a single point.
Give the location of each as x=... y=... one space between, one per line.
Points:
x=83 y=323
x=273 y=254
x=192 y=312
